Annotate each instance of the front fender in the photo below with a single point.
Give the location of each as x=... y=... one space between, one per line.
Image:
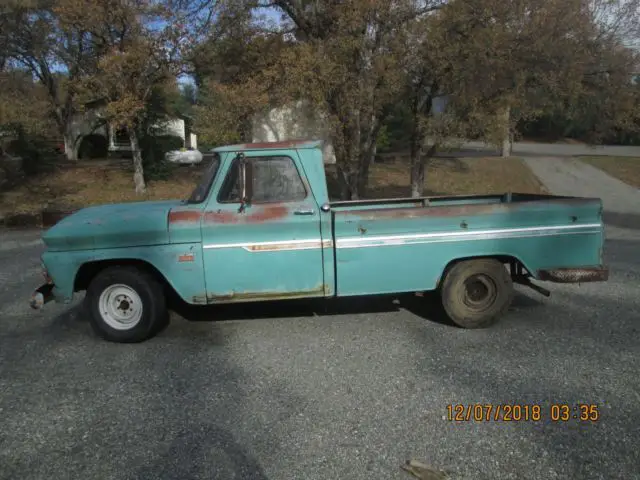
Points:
x=181 y=265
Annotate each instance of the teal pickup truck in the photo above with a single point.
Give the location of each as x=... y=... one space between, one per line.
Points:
x=260 y=226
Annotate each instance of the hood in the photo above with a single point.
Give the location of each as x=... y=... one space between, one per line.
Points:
x=112 y=226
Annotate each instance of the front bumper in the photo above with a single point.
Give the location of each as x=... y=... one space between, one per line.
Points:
x=42 y=295
x=598 y=273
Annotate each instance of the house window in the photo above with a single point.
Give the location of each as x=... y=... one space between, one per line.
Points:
x=275 y=179
x=121 y=137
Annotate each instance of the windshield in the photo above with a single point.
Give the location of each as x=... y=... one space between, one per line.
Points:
x=201 y=192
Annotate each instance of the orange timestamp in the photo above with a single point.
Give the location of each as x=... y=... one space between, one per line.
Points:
x=481 y=412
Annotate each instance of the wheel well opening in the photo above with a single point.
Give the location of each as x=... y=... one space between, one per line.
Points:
x=88 y=271
x=515 y=266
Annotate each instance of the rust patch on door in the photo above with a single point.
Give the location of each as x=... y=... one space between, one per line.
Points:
x=199 y=299
x=232 y=297
x=184 y=216
x=256 y=214
x=274 y=247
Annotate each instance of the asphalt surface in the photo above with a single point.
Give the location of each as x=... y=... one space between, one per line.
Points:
x=570 y=176
x=346 y=390
x=525 y=149
x=289 y=391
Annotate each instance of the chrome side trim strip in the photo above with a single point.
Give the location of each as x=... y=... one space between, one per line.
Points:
x=412 y=239
x=279 y=245
x=439 y=237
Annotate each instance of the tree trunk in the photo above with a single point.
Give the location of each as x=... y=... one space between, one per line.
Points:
x=507 y=139
x=138 y=170
x=367 y=152
x=417 y=178
x=246 y=130
x=365 y=164
x=419 y=161
x=416 y=168
x=70 y=147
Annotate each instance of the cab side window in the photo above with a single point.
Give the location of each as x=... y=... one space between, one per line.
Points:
x=275 y=179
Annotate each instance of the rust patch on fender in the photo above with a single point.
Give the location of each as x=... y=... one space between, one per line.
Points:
x=256 y=215
x=184 y=216
x=574 y=275
x=232 y=297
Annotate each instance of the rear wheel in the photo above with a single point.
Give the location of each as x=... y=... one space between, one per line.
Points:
x=476 y=293
x=126 y=305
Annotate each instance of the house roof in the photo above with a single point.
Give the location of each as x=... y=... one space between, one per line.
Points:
x=297 y=144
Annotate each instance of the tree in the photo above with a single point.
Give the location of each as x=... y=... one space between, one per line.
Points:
x=520 y=59
x=605 y=107
x=353 y=55
x=138 y=49
x=37 y=36
x=24 y=104
x=426 y=68
x=228 y=68
x=343 y=60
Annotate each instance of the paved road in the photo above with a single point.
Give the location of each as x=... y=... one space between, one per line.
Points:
x=569 y=176
x=557 y=149
x=298 y=393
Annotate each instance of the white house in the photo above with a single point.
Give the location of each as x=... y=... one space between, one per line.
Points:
x=300 y=121
x=91 y=122
x=293 y=123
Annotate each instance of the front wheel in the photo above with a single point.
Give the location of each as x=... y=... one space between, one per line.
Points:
x=126 y=305
x=476 y=293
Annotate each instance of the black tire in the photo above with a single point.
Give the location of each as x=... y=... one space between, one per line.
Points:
x=154 y=313
x=476 y=293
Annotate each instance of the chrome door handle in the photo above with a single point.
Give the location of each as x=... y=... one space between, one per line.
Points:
x=309 y=211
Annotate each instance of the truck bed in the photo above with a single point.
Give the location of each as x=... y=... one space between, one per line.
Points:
x=421 y=236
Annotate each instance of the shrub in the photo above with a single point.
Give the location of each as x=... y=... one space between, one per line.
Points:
x=35 y=152
x=153 y=150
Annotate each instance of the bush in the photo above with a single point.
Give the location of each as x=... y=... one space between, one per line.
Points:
x=93 y=146
x=34 y=152
x=153 y=150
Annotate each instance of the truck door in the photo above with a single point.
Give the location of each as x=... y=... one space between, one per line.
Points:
x=270 y=247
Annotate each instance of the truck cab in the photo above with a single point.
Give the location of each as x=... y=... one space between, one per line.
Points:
x=260 y=226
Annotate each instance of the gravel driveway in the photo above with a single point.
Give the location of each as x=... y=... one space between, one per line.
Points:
x=300 y=393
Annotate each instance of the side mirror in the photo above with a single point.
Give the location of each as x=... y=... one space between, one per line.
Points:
x=246 y=182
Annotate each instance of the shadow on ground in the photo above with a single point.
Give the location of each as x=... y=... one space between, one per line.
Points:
x=194 y=446
x=622 y=220
x=426 y=306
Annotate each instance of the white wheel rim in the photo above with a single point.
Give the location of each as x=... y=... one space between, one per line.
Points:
x=120 y=307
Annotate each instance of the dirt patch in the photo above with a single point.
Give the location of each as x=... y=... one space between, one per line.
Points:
x=626 y=169
x=71 y=188
x=451 y=176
